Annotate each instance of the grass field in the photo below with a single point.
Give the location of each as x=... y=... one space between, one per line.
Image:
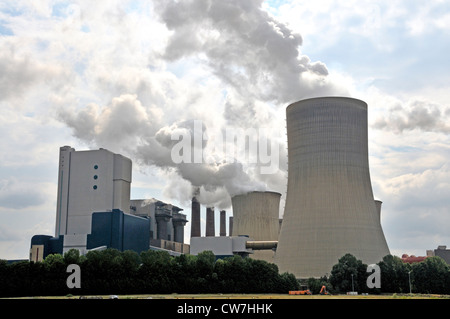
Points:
x=258 y=296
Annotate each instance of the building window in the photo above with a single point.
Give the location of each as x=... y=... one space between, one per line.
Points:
x=95 y=187
x=95 y=176
x=95 y=166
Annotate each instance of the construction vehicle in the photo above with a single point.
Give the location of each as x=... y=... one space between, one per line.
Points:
x=303 y=291
x=300 y=292
x=323 y=291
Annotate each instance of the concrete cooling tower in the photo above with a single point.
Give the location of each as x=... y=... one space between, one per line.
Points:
x=256 y=214
x=330 y=209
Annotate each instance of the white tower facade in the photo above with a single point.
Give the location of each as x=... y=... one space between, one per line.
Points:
x=330 y=209
x=88 y=182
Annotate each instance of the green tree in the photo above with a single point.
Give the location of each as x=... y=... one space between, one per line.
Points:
x=54 y=260
x=72 y=256
x=156 y=271
x=431 y=276
x=394 y=275
x=348 y=274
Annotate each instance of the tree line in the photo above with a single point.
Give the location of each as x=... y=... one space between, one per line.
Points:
x=431 y=276
x=156 y=272
x=114 y=272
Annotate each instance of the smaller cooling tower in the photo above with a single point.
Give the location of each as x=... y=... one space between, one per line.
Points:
x=256 y=214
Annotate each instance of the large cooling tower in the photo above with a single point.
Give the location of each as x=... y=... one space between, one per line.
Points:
x=330 y=208
x=256 y=214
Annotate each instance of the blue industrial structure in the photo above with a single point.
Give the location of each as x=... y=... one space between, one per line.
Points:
x=120 y=231
x=109 y=230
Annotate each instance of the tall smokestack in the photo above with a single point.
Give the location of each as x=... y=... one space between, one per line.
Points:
x=330 y=209
x=195 y=218
x=230 y=226
x=223 y=226
x=210 y=225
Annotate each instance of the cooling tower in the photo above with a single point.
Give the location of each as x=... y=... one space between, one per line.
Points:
x=256 y=214
x=330 y=209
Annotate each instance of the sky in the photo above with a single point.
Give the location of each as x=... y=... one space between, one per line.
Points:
x=127 y=75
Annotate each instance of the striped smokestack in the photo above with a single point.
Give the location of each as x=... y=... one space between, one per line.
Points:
x=210 y=225
x=223 y=226
x=195 y=218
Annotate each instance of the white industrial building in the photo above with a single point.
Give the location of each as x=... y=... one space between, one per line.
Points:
x=88 y=182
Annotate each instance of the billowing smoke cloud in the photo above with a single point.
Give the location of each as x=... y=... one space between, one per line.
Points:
x=246 y=67
x=257 y=56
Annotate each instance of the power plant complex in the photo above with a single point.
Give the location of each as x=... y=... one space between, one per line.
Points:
x=329 y=208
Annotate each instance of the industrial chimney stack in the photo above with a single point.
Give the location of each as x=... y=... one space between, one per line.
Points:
x=195 y=218
x=223 y=226
x=210 y=225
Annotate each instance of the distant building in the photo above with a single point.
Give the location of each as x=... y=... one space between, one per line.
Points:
x=413 y=259
x=442 y=252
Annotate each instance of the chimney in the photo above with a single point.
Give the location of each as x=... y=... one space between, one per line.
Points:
x=210 y=226
x=223 y=226
x=195 y=218
x=230 y=226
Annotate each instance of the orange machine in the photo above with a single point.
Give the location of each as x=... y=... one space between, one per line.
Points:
x=300 y=292
x=323 y=291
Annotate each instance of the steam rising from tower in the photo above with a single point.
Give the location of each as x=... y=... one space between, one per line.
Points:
x=330 y=208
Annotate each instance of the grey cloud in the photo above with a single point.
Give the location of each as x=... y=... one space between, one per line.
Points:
x=17 y=73
x=415 y=115
x=17 y=195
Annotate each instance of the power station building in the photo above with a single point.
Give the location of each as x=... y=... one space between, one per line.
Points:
x=166 y=228
x=330 y=209
x=88 y=182
x=94 y=210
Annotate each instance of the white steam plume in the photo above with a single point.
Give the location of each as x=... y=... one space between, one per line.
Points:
x=245 y=67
